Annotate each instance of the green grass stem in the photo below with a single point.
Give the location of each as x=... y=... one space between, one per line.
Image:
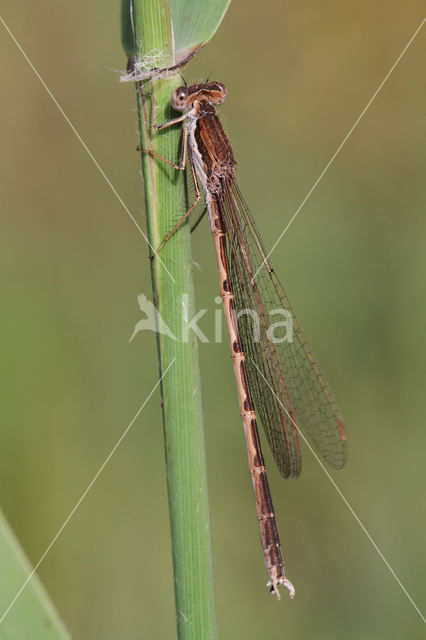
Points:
x=173 y=292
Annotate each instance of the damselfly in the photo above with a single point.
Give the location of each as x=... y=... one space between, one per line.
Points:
x=278 y=377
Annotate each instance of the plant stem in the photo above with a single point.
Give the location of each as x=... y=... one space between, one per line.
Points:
x=165 y=197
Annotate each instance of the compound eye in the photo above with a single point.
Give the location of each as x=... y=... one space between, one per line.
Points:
x=180 y=98
x=219 y=92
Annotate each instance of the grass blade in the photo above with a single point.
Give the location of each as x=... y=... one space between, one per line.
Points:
x=32 y=615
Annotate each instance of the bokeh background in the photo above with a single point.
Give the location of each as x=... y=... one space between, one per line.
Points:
x=353 y=263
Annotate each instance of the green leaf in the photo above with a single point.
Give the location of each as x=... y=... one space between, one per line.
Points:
x=193 y=24
x=127 y=35
x=32 y=615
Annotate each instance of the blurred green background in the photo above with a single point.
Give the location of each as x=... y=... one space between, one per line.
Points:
x=353 y=264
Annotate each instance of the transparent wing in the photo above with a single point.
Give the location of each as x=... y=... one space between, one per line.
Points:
x=290 y=392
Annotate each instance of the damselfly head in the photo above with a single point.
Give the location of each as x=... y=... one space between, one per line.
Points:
x=183 y=98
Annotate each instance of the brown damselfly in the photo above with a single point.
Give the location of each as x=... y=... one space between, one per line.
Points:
x=278 y=377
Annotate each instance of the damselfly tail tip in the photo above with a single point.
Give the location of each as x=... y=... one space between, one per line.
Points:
x=290 y=587
x=273 y=587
